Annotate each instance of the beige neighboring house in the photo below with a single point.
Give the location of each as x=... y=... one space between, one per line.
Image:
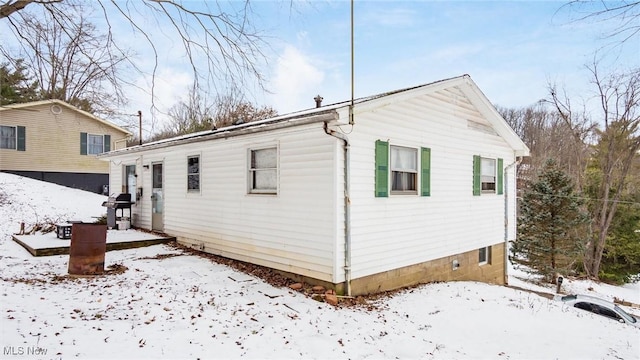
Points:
x=53 y=141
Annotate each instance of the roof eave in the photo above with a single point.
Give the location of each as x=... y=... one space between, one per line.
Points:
x=499 y=124
x=250 y=128
x=68 y=106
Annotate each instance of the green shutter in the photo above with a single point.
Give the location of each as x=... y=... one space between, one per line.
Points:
x=83 y=143
x=476 y=175
x=382 y=169
x=500 y=175
x=107 y=143
x=22 y=139
x=425 y=164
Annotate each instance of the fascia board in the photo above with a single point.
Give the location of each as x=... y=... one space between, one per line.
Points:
x=392 y=98
x=484 y=106
x=66 y=105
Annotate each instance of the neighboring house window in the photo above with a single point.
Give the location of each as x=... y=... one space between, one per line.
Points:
x=8 y=137
x=130 y=181
x=91 y=144
x=263 y=171
x=403 y=163
x=193 y=173
x=404 y=169
x=12 y=137
x=484 y=255
x=487 y=175
x=95 y=144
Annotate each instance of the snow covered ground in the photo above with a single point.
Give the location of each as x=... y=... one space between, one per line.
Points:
x=186 y=306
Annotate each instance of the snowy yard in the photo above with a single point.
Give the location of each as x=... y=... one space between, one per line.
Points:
x=170 y=304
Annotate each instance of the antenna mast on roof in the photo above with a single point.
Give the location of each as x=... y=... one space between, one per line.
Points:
x=140 y=126
x=352 y=71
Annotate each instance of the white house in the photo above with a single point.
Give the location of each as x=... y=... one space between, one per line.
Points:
x=417 y=185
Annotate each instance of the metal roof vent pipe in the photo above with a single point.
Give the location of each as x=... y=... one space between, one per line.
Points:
x=318 y=100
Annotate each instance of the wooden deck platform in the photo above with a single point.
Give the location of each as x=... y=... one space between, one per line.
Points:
x=49 y=244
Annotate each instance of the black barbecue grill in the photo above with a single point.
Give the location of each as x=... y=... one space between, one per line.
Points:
x=121 y=202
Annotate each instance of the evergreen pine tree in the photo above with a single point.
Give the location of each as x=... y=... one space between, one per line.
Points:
x=15 y=84
x=548 y=240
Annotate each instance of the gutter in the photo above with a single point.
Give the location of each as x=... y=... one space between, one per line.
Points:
x=347 y=207
x=248 y=128
x=506 y=217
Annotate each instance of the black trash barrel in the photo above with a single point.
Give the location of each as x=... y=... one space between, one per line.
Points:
x=87 y=250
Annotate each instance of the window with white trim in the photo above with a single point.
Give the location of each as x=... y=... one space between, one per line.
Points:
x=397 y=168
x=404 y=169
x=91 y=144
x=488 y=175
x=8 y=136
x=484 y=255
x=263 y=170
x=193 y=173
x=95 y=144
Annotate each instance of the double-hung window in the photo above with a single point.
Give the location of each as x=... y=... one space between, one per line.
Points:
x=13 y=138
x=95 y=144
x=8 y=137
x=487 y=175
x=263 y=170
x=91 y=144
x=402 y=170
x=193 y=173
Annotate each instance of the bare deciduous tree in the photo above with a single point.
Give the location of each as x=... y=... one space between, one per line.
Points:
x=548 y=136
x=198 y=113
x=70 y=63
x=219 y=33
x=193 y=114
x=234 y=108
x=617 y=149
x=625 y=15
x=579 y=127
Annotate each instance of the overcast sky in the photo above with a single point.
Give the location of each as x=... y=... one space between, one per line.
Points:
x=511 y=49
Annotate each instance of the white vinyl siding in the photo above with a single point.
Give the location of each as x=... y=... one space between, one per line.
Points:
x=301 y=230
x=295 y=231
x=396 y=231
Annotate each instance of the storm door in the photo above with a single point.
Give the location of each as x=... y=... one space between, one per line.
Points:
x=157 y=197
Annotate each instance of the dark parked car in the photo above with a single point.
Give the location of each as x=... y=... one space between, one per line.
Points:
x=599 y=306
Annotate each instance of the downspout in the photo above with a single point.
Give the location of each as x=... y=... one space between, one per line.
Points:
x=347 y=207
x=506 y=217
